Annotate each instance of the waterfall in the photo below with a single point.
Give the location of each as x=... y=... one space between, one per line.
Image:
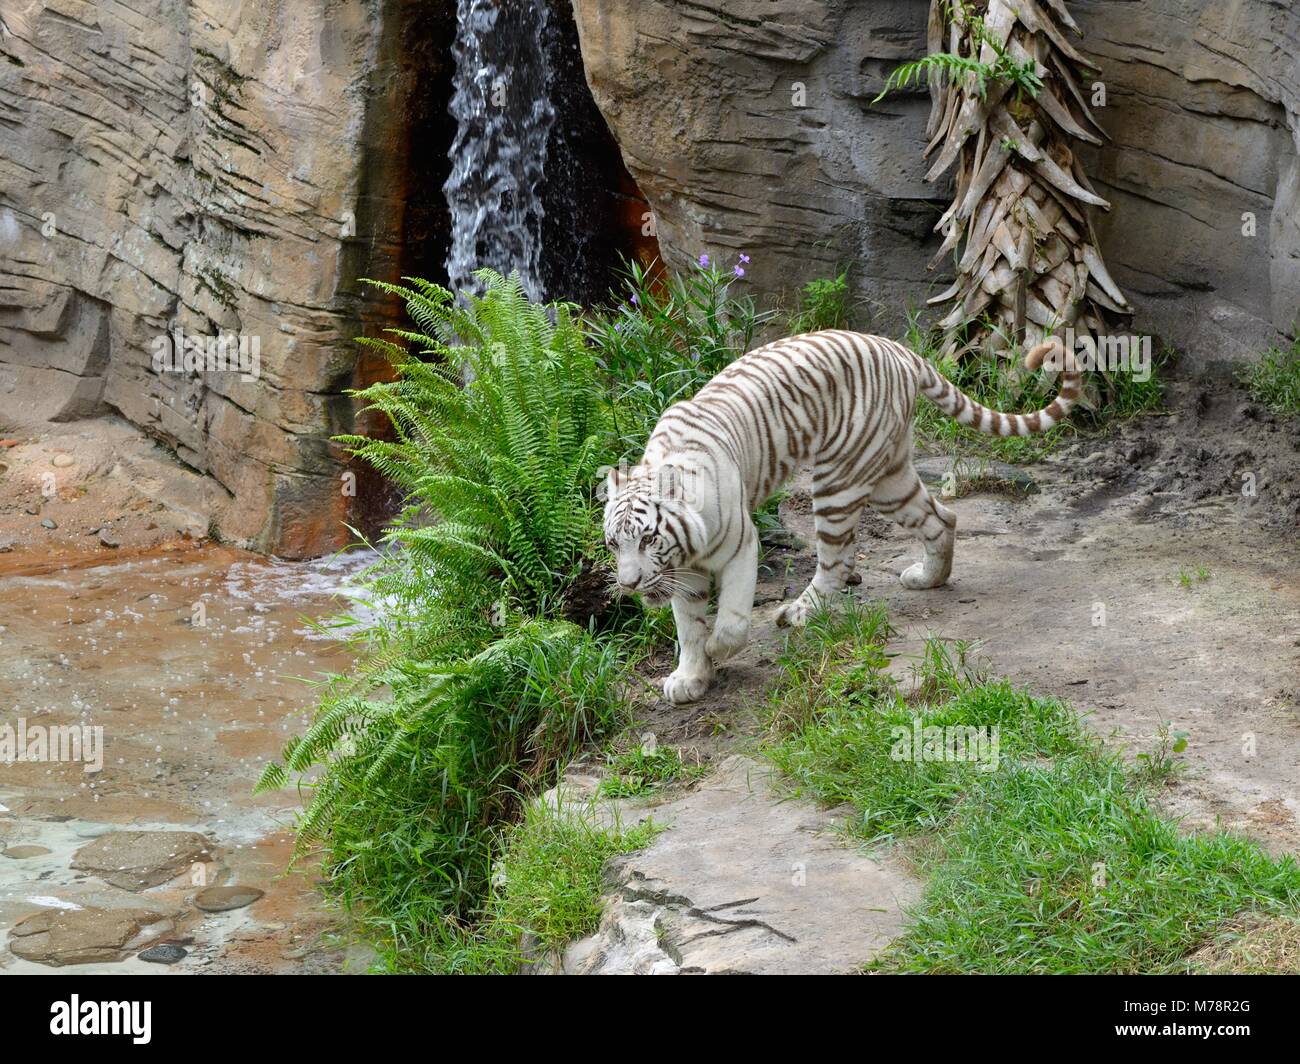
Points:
x=501 y=103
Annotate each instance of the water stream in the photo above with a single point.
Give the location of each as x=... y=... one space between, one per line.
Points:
x=504 y=115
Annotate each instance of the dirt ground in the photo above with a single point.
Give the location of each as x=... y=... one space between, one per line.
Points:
x=1139 y=582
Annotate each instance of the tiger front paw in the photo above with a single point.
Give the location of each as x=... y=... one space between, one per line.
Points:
x=686 y=685
x=920 y=577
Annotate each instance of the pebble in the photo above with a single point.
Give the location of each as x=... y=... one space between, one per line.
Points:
x=165 y=953
x=49 y=523
x=6 y=545
x=62 y=460
x=108 y=539
x=21 y=853
x=223 y=899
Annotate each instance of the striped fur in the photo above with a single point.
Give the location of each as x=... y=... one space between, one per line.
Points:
x=838 y=402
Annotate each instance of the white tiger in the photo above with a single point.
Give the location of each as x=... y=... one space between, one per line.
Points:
x=838 y=401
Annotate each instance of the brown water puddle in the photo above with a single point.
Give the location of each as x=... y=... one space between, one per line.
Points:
x=186 y=659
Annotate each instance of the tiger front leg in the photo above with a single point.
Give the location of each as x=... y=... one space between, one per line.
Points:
x=736 y=583
x=694 y=672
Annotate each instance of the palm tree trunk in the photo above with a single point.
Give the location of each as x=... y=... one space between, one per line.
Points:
x=1018 y=226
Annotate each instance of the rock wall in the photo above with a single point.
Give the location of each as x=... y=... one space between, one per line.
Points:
x=218 y=168
x=749 y=127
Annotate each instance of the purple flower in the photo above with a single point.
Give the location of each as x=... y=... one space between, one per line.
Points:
x=704 y=261
x=744 y=258
x=635 y=301
x=739 y=271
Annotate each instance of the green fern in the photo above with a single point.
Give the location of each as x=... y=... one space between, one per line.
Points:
x=468 y=693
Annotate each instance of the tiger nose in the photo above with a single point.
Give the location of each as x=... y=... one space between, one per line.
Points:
x=633 y=584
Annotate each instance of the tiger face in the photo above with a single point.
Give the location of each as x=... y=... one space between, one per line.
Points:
x=652 y=532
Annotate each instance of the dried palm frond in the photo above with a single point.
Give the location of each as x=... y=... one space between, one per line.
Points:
x=1006 y=108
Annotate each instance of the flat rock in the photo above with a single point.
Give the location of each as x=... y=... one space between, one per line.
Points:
x=745 y=882
x=223 y=899
x=21 y=853
x=934 y=471
x=137 y=860
x=86 y=936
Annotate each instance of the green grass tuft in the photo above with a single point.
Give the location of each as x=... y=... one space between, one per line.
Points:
x=548 y=883
x=635 y=773
x=1054 y=861
x=1275 y=380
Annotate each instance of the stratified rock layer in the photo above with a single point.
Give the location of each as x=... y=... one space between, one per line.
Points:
x=174 y=166
x=749 y=128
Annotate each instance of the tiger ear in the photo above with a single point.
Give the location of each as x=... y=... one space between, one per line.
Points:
x=614 y=482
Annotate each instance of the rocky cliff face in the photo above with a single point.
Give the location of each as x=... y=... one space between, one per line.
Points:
x=228 y=170
x=175 y=171
x=748 y=126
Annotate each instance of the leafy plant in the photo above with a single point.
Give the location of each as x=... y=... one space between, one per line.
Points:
x=670 y=335
x=470 y=691
x=506 y=463
x=823 y=304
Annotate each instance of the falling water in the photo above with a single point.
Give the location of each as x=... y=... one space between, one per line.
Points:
x=504 y=116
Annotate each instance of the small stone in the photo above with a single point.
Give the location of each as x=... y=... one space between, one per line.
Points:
x=782 y=539
x=223 y=899
x=21 y=853
x=62 y=460
x=8 y=443
x=164 y=953
x=34 y=508
x=49 y=523
x=107 y=539
x=6 y=545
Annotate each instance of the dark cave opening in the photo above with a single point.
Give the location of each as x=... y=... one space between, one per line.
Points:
x=593 y=211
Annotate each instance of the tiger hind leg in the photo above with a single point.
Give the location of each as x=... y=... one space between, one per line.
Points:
x=901 y=497
x=835 y=515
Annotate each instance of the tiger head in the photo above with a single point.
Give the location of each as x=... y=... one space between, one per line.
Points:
x=652 y=531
